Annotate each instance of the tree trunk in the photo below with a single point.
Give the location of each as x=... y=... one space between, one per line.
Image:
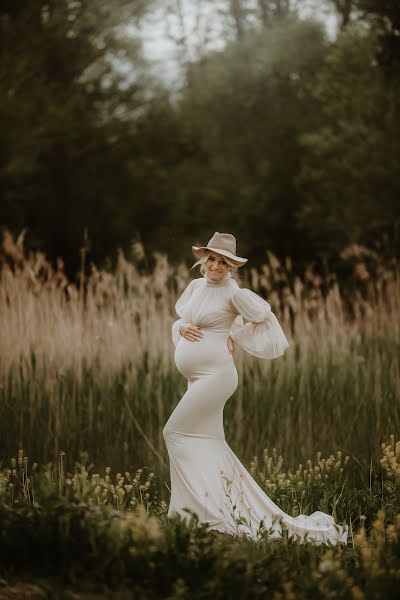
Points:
x=344 y=9
x=264 y=11
x=238 y=17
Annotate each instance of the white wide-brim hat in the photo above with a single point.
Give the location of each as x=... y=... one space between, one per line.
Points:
x=223 y=243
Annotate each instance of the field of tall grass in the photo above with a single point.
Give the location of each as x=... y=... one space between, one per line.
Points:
x=90 y=367
x=87 y=382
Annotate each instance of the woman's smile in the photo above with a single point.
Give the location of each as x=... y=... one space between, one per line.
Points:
x=216 y=266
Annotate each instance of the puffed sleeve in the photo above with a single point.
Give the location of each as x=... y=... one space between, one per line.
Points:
x=260 y=333
x=179 y=306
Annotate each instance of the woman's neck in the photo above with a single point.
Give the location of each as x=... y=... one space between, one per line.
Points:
x=219 y=283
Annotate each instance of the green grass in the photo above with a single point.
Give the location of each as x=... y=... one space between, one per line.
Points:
x=109 y=534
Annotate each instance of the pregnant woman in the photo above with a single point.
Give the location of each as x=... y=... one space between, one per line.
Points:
x=206 y=476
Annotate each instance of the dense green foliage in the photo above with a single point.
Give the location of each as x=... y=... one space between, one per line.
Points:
x=283 y=137
x=385 y=16
x=62 y=161
x=349 y=173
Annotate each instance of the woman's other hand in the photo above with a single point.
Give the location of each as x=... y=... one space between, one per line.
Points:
x=191 y=332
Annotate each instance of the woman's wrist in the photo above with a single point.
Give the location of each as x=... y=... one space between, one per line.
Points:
x=182 y=325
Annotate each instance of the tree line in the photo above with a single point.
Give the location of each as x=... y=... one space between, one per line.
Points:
x=283 y=137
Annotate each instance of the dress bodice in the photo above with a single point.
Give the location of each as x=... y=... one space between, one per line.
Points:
x=224 y=307
x=209 y=305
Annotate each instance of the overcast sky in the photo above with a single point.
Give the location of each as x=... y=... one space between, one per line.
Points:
x=199 y=27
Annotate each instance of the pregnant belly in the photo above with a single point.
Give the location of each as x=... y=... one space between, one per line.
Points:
x=205 y=357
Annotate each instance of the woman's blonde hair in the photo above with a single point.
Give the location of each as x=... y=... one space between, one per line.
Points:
x=203 y=259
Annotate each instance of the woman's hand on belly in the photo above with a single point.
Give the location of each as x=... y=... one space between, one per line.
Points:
x=191 y=332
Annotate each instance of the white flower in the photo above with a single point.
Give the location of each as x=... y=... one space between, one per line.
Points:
x=326 y=566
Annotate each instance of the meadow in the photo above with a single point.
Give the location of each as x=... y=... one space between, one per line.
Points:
x=87 y=381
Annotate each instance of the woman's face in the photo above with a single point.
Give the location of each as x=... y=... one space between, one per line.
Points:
x=216 y=266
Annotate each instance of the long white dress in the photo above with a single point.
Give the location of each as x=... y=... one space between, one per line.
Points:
x=206 y=476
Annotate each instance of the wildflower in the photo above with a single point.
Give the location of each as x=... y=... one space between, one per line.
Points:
x=327 y=564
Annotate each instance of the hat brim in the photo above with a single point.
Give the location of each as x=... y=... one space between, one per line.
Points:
x=199 y=251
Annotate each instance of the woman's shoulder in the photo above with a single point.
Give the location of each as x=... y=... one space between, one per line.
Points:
x=244 y=295
x=198 y=281
x=194 y=284
x=235 y=288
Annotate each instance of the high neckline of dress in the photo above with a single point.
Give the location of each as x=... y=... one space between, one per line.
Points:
x=221 y=283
